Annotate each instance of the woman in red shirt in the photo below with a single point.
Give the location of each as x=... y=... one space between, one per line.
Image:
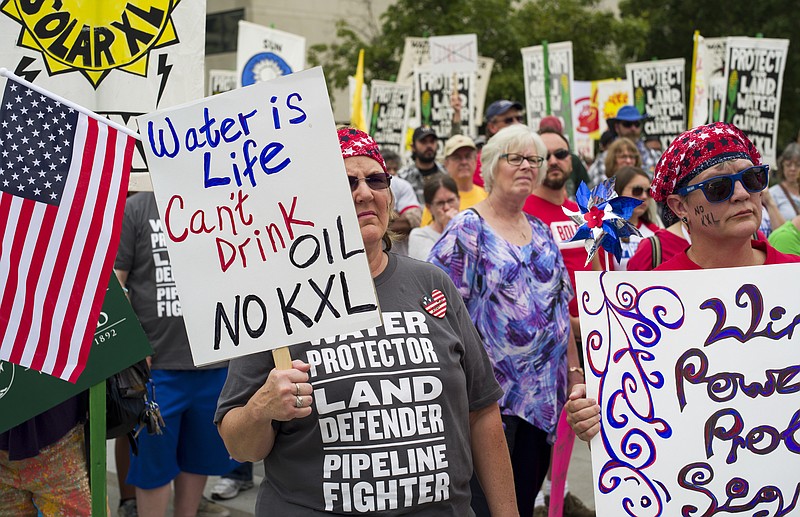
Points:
x=710 y=178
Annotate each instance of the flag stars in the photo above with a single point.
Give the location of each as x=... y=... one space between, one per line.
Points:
x=53 y=195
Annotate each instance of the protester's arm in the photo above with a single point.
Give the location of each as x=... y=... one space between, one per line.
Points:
x=574 y=376
x=491 y=461
x=407 y=221
x=776 y=220
x=248 y=430
x=583 y=414
x=122 y=276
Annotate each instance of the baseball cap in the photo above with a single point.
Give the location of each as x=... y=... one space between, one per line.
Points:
x=454 y=143
x=552 y=123
x=501 y=106
x=421 y=132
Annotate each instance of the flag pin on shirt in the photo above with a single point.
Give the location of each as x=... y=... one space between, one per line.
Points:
x=435 y=304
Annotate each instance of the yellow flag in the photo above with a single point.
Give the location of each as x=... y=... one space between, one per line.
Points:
x=356 y=104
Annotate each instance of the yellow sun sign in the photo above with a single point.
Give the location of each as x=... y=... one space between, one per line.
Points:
x=94 y=36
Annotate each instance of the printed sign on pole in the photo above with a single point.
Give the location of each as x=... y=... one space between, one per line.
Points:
x=584 y=119
x=434 y=90
x=658 y=91
x=220 y=81
x=561 y=75
x=259 y=220
x=754 y=81
x=263 y=53
x=716 y=50
x=389 y=103
x=696 y=376
x=454 y=53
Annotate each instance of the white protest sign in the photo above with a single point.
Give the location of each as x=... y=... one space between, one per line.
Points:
x=433 y=107
x=220 y=81
x=658 y=91
x=389 y=105
x=483 y=75
x=715 y=50
x=416 y=54
x=696 y=374
x=263 y=53
x=560 y=72
x=454 y=53
x=584 y=118
x=754 y=78
x=258 y=218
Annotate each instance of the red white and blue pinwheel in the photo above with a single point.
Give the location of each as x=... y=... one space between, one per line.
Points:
x=603 y=218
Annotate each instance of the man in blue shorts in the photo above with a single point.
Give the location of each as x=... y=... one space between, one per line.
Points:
x=190 y=449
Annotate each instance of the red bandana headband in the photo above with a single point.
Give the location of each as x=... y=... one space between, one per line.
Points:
x=695 y=151
x=355 y=142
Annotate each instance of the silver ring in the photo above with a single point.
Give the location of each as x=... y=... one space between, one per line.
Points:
x=296 y=390
x=298 y=402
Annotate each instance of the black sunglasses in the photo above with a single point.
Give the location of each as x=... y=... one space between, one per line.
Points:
x=560 y=154
x=378 y=181
x=720 y=188
x=638 y=191
x=629 y=123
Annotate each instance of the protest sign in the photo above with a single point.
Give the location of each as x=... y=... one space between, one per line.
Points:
x=454 y=53
x=715 y=50
x=482 y=77
x=259 y=220
x=698 y=89
x=416 y=54
x=119 y=61
x=389 y=103
x=612 y=94
x=561 y=76
x=433 y=94
x=263 y=54
x=584 y=119
x=658 y=88
x=220 y=81
x=695 y=373
x=754 y=81
x=119 y=342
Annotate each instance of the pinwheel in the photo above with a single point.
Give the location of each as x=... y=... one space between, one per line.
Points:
x=603 y=218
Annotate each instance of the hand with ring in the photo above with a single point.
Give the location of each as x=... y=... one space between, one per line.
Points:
x=285 y=395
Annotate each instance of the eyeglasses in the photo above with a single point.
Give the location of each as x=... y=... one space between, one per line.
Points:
x=640 y=191
x=561 y=154
x=719 y=189
x=630 y=123
x=517 y=159
x=379 y=181
x=626 y=157
x=453 y=201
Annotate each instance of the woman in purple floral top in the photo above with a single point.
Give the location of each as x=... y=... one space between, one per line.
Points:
x=515 y=285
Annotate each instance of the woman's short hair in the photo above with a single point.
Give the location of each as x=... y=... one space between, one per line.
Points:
x=433 y=185
x=517 y=136
x=620 y=145
x=790 y=154
x=624 y=176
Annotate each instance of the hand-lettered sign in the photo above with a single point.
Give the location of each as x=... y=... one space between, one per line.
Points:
x=259 y=220
x=696 y=374
x=658 y=91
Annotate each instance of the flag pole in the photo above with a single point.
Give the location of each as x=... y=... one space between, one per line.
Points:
x=693 y=80
x=89 y=113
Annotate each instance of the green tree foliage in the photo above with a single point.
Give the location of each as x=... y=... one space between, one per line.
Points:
x=671 y=24
x=502 y=27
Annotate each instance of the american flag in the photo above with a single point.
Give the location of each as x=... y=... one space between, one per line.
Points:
x=63 y=178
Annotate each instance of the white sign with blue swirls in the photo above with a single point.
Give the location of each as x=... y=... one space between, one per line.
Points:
x=696 y=373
